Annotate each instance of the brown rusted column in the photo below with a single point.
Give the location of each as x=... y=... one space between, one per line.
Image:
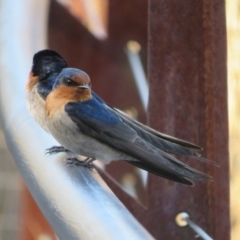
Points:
x=33 y=223
x=188 y=99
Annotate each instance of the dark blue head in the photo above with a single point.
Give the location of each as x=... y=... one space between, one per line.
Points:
x=47 y=64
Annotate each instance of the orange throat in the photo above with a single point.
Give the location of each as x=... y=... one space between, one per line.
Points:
x=62 y=95
x=32 y=81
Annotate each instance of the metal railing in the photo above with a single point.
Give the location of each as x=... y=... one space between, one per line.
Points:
x=75 y=201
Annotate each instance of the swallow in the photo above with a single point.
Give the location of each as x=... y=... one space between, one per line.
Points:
x=84 y=124
x=47 y=64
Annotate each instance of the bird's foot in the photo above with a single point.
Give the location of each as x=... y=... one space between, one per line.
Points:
x=83 y=163
x=55 y=149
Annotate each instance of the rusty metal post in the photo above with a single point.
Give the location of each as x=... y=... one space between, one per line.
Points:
x=188 y=99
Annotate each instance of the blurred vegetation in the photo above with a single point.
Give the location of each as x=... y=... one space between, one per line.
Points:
x=233 y=38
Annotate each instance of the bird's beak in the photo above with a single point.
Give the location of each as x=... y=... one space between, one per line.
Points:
x=85 y=86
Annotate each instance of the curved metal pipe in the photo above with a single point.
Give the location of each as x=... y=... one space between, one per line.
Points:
x=75 y=201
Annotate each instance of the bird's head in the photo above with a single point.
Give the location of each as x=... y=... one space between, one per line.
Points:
x=75 y=83
x=47 y=64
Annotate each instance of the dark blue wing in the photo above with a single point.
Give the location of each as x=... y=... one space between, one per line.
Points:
x=96 y=116
x=143 y=129
x=162 y=141
x=96 y=120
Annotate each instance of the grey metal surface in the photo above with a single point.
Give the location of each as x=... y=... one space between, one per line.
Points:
x=10 y=187
x=75 y=201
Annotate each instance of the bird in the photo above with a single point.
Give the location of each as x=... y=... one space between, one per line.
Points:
x=47 y=64
x=84 y=124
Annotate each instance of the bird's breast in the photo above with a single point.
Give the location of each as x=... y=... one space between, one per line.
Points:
x=66 y=132
x=35 y=105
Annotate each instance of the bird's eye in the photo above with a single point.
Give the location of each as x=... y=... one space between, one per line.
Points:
x=69 y=82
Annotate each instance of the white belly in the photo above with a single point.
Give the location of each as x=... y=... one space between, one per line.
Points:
x=35 y=105
x=68 y=135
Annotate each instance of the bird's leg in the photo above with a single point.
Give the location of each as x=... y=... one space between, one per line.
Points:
x=56 y=149
x=89 y=160
x=84 y=163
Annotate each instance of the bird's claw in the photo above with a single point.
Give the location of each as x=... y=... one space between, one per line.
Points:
x=83 y=163
x=55 y=149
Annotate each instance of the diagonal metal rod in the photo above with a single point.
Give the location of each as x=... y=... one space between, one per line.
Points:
x=75 y=201
x=133 y=48
x=183 y=220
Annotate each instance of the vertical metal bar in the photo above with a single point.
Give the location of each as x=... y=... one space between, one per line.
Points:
x=187 y=74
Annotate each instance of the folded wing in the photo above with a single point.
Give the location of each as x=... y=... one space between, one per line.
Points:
x=96 y=120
